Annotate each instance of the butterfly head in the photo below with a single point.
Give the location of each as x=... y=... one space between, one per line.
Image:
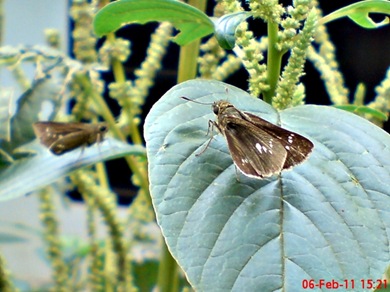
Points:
x=102 y=128
x=220 y=106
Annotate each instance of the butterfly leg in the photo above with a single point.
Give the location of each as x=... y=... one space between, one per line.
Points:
x=237 y=173
x=212 y=124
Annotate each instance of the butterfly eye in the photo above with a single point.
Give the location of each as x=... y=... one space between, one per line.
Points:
x=215 y=109
x=102 y=128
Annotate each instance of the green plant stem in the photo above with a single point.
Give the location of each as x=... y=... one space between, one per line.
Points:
x=274 y=61
x=135 y=166
x=99 y=101
x=105 y=111
x=189 y=54
x=168 y=280
x=102 y=171
x=120 y=77
x=188 y=64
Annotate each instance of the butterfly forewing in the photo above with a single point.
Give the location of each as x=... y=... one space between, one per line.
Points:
x=254 y=152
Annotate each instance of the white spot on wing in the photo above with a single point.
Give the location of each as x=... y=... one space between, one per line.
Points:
x=290 y=138
x=258 y=147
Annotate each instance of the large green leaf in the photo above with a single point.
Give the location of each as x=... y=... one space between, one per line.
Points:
x=192 y=22
x=327 y=218
x=31 y=173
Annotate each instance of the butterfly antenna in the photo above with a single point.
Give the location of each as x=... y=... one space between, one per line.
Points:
x=188 y=99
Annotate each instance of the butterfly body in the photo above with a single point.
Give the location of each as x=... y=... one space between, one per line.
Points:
x=64 y=137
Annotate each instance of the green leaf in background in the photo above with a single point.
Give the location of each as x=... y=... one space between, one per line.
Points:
x=327 y=218
x=45 y=92
x=359 y=13
x=9 y=238
x=192 y=22
x=363 y=110
x=32 y=173
x=6 y=96
x=225 y=28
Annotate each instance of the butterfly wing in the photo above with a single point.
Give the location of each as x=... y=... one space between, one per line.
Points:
x=60 y=137
x=298 y=147
x=255 y=152
x=69 y=142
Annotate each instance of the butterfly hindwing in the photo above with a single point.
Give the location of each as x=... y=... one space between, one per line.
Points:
x=298 y=147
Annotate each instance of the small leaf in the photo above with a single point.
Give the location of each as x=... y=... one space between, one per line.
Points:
x=192 y=22
x=359 y=13
x=28 y=174
x=44 y=91
x=6 y=95
x=10 y=238
x=326 y=218
x=225 y=28
x=363 y=110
